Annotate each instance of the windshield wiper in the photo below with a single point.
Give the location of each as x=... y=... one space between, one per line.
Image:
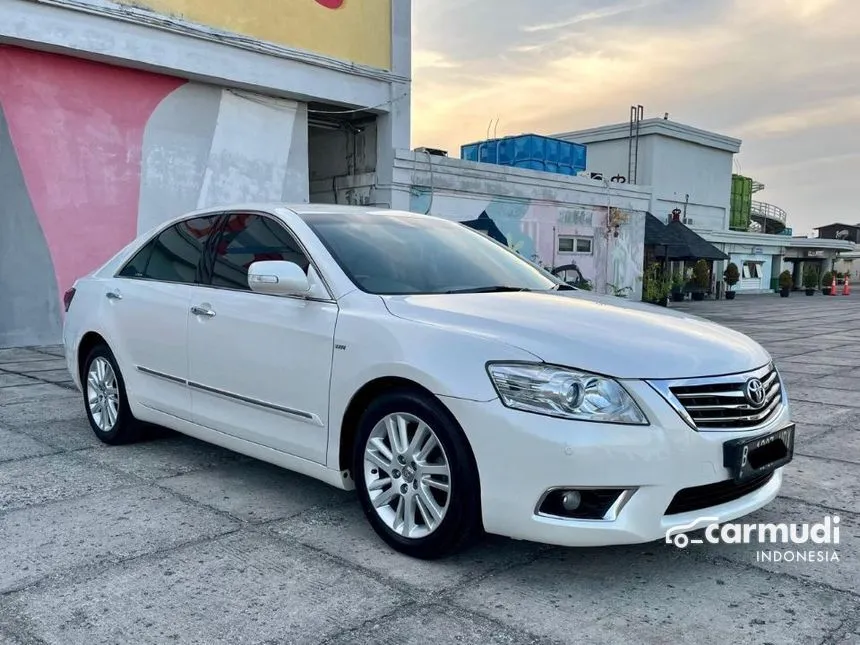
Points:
x=494 y=289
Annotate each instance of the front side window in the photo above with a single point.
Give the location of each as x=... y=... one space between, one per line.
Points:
x=385 y=254
x=175 y=254
x=247 y=238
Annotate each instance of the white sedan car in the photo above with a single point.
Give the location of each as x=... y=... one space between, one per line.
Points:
x=456 y=386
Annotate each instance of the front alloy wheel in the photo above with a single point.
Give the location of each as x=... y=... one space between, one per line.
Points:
x=416 y=476
x=407 y=474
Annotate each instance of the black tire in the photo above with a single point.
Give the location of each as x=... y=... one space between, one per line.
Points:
x=126 y=429
x=461 y=525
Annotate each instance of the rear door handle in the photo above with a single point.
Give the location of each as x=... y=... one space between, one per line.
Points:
x=202 y=310
x=113 y=295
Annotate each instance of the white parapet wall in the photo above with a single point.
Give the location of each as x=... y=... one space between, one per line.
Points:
x=553 y=219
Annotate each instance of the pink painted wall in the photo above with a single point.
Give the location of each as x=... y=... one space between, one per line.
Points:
x=77 y=128
x=92 y=154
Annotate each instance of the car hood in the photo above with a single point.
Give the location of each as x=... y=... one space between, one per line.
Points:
x=601 y=334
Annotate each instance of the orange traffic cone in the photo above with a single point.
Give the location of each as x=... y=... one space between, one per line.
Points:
x=833 y=286
x=846 y=286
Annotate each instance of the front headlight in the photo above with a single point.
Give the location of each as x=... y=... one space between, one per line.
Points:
x=566 y=393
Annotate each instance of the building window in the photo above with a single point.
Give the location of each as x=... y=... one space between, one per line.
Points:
x=752 y=270
x=574 y=244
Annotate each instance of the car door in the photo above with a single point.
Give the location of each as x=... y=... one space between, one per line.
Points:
x=259 y=364
x=149 y=311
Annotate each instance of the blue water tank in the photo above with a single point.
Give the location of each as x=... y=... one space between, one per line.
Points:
x=530 y=151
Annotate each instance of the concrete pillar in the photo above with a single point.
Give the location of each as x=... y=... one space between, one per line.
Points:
x=394 y=127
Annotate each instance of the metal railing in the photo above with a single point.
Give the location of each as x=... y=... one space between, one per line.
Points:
x=768 y=211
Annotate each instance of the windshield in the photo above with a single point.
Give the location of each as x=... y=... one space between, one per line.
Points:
x=387 y=255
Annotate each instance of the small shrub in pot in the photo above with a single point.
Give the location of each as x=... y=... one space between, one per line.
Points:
x=785 y=284
x=826 y=283
x=731 y=276
x=810 y=280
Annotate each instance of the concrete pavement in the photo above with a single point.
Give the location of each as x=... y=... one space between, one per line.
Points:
x=176 y=541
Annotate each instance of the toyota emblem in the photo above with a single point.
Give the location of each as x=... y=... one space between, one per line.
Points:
x=754 y=392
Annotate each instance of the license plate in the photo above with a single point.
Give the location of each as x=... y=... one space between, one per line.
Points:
x=748 y=458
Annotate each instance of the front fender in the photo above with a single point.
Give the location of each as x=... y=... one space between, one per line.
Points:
x=370 y=345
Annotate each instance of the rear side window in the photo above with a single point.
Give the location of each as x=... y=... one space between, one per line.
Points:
x=137 y=265
x=175 y=255
x=247 y=238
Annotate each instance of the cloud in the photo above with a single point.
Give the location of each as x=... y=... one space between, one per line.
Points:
x=425 y=59
x=773 y=72
x=841 y=111
x=590 y=16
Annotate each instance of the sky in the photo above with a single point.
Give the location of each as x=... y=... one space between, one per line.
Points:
x=782 y=75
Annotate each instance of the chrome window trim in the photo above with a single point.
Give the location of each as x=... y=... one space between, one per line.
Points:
x=167 y=225
x=302 y=247
x=270 y=216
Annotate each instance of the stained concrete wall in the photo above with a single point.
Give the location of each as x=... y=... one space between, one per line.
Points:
x=93 y=154
x=205 y=146
x=29 y=306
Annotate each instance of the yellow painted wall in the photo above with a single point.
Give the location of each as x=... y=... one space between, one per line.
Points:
x=359 y=31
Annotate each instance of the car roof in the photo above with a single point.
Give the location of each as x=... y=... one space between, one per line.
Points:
x=302 y=210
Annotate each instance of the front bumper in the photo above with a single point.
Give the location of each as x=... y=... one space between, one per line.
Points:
x=522 y=455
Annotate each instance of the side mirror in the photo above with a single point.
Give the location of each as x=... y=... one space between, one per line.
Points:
x=278 y=278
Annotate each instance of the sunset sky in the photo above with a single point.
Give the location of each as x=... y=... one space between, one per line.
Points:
x=783 y=75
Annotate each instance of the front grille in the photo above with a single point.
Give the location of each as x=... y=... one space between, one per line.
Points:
x=700 y=497
x=722 y=404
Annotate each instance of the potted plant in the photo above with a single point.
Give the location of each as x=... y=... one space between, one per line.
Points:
x=785 y=284
x=655 y=287
x=731 y=277
x=810 y=280
x=678 y=286
x=700 y=280
x=826 y=283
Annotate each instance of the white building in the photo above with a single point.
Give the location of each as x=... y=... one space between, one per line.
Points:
x=687 y=168
x=691 y=170
x=115 y=116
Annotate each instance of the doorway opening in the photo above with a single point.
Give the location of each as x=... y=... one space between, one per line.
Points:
x=342 y=155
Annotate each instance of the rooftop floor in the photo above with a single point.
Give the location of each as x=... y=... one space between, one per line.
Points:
x=175 y=540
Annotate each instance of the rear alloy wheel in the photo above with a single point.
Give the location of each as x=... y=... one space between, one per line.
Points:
x=105 y=399
x=415 y=477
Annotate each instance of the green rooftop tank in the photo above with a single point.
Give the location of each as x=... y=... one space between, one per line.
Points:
x=741 y=203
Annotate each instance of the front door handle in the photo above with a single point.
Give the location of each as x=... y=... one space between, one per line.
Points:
x=113 y=295
x=202 y=310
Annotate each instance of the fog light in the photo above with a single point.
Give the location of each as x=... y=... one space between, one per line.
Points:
x=582 y=503
x=571 y=500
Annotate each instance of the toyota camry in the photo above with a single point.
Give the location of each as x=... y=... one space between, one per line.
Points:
x=457 y=387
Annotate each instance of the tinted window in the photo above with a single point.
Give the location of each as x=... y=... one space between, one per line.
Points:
x=248 y=238
x=389 y=254
x=137 y=265
x=175 y=254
